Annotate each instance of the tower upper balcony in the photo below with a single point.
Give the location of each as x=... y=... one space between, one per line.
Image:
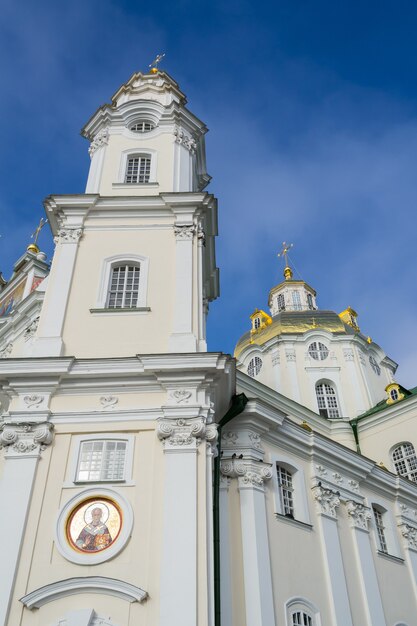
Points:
x=146 y=141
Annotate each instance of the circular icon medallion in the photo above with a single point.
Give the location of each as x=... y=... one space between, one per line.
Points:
x=94 y=525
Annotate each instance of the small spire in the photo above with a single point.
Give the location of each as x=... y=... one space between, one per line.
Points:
x=155 y=63
x=288 y=273
x=33 y=247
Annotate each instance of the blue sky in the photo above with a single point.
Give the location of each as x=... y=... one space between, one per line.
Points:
x=312 y=111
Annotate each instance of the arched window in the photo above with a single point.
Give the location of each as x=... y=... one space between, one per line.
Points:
x=327 y=400
x=318 y=351
x=256 y=322
x=286 y=489
x=296 y=301
x=310 y=302
x=123 y=290
x=375 y=365
x=138 y=169
x=405 y=461
x=255 y=366
x=301 y=612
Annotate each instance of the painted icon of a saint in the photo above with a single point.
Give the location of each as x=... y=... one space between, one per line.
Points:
x=95 y=535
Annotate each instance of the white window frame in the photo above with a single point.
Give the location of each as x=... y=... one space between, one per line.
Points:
x=104 y=285
x=144 y=152
x=331 y=384
x=303 y=605
x=390 y=529
x=75 y=454
x=123 y=270
x=398 y=445
x=301 y=510
x=103 y=453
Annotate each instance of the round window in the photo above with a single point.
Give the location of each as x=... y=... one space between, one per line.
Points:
x=254 y=366
x=374 y=365
x=142 y=127
x=318 y=351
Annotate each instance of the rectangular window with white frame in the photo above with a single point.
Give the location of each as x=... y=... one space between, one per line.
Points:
x=102 y=460
x=286 y=490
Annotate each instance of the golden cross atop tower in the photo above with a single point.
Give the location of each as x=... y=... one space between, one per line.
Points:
x=286 y=247
x=33 y=247
x=156 y=62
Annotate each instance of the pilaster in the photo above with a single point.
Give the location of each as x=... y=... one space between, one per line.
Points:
x=252 y=476
x=359 y=515
x=408 y=530
x=327 y=502
x=23 y=443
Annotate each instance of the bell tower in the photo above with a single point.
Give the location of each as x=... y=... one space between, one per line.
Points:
x=134 y=267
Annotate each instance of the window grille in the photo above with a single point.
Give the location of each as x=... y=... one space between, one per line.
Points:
x=124 y=287
x=405 y=461
x=310 y=302
x=257 y=322
x=326 y=400
x=101 y=460
x=286 y=490
x=138 y=169
x=299 y=618
x=296 y=300
x=281 y=302
x=254 y=366
x=318 y=351
x=142 y=127
x=374 y=365
x=380 y=530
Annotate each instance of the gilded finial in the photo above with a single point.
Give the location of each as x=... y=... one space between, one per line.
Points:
x=33 y=247
x=288 y=273
x=156 y=62
x=306 y=426
x=369 y=340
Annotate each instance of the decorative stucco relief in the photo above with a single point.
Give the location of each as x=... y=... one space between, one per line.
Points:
x=6 y=352
x=185 y=140
x=359 y=514
x=109 y=402
x=31 y=329
x=185 y=232
x=327 y=501
x=68 y=235
x=101 y=139
x=409 y=534
x=250 y=474
x=21 y=439
x=185 y=433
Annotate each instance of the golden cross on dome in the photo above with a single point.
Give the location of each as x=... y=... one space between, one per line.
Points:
x=37 y=232
x=33 y=247
x=286 y=247
x=156 y=62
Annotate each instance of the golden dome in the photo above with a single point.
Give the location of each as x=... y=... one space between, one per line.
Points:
x=294 y=323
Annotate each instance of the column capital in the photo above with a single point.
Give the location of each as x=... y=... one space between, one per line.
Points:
x=409 y=533
x=185 y=434
x=184 y=232
x=25 y=439
x=327 y=501
x=68 y=235
x=359 y=514
x=250 y=474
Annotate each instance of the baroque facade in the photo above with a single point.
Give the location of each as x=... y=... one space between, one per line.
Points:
x=146 y=481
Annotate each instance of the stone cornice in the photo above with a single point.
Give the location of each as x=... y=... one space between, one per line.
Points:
x=25 y=439
x=250 y=474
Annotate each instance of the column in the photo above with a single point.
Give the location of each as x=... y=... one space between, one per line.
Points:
x=97 y=151
x=178 y=592
x=49 y=336
x=259 y=599
x=23 y=444
x=182 y=338
x=327 y=502
x=225 y=565
x=359 y=516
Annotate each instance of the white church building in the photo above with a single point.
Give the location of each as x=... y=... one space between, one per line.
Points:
x=145 y=481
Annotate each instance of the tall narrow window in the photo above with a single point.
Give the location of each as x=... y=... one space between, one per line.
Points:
x=310 y=302
x=286 y=491
x=101 y=460
x=296 y=301
x=256 y=322
x=299 y=618
x=380 y=529
x=138 y=169
x=124 y=287
x=327 y=400
x=405 y=461
x=281 y=302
